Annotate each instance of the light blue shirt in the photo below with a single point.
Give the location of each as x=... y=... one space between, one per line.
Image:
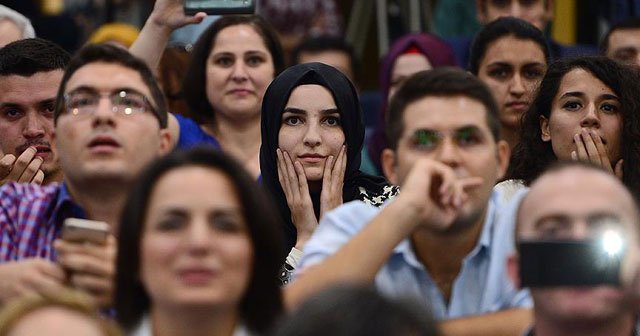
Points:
x=482 y=286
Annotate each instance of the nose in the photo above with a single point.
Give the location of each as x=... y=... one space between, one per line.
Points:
x=591 y=118
x=104 y=112
x=515 y=10
x=197 y=236
x=312 y=136
x=239 y=71
x=517 y=85
x=34 y=127
x=448 y=152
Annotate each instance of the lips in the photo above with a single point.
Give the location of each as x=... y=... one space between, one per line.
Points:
x=311 y=158
x=196 y=276
x=518 y=105
x=240 y=91
x=103 y=143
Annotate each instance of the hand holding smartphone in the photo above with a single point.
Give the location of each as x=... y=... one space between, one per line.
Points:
x=77 y=230
x=219 y=7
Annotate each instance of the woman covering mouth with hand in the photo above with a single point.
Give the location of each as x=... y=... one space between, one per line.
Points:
x=312 y=135
x=586 y=110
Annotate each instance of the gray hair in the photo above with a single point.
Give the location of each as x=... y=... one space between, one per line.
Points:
x=20 y=20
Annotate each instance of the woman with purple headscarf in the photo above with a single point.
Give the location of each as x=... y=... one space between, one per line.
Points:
x=409 y=54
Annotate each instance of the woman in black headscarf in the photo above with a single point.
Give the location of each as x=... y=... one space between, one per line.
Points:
x=312 y=135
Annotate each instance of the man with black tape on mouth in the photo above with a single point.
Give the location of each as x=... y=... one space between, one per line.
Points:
x=574 y=228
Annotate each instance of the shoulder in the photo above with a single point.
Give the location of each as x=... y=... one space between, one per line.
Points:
x=21 y=192
x=378 y=197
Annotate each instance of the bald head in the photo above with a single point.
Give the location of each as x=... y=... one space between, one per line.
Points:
x=576 y=201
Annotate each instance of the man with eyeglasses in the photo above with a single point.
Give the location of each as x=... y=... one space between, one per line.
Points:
x=110 y=121
x=439 y=241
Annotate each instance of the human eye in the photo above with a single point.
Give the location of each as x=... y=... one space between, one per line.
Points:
x=528 y=3
x=468 y=136
x=533 y=73
x=170 y=222
x=572 y=105
x=224 y=61
x=554 y=228
x=425 y=139
x=499 y=73
x=292 y=119
x=11 y=113
x=609 y=108
x=132 y=100
x=227 y=222
x=254 y=60
x=331 y=121
x=48 y=108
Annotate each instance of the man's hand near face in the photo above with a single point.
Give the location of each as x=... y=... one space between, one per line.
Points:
x=90 y=268
x=23 y=169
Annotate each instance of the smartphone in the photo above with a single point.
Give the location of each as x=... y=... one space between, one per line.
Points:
x=547 y=263
x=219 y=7
x=84 y=230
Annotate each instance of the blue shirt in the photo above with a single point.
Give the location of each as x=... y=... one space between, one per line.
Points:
x=31 y=219
x=191 y=134
x=482 y=286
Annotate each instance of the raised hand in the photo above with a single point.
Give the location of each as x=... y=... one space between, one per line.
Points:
x=170 y=14
x=90 y=267
x=434 y=194
x=294 y=184
x=24 y=169
x=589 y=148
x=333 y=181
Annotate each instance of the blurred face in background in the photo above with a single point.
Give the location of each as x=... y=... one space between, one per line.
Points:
x=239 y=69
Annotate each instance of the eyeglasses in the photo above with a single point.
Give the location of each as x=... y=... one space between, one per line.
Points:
x=123 y=102
x=428 y=139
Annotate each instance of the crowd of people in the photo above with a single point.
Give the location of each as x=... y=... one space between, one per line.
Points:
x=225 y=191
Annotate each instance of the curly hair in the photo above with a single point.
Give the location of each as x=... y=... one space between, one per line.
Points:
x=532 y=155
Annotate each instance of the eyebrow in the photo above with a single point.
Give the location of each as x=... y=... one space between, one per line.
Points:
x=91 y=89
x=296 y=110
x=579 y=94
x=17 y=105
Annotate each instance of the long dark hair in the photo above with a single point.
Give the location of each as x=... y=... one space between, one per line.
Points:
x=194 y=86
x=262 y=302
x=532 y=155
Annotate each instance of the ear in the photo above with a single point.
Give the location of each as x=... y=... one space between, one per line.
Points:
x=544 y=128
x=166 y=143
x=481 y=11
x=388 y=162
x=503 y=154
x=549 y=10
x=513 y=269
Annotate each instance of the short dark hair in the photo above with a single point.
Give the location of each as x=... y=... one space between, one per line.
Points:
x=531 y=155
x=439 y=82
x=323 y=43
x=30 y=56
x=194 y=85
x=350 y=310
x=94 y=53
x=502 y=27
x=632 y=23
x=262 y=302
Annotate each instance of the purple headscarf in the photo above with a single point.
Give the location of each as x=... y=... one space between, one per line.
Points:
x=437 y=52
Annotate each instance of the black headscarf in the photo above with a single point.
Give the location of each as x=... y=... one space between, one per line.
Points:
x=346 y=99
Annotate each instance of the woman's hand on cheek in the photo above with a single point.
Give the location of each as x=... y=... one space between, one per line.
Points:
x=333 y=181
x=294 y=184
x=590 y=148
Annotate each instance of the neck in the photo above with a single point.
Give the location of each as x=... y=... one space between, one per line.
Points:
x=617 y=326
x=55 y=176
x=241 y=140
x=101 y=201
x=195 y=322
x=510 y=135
x=444 y=267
